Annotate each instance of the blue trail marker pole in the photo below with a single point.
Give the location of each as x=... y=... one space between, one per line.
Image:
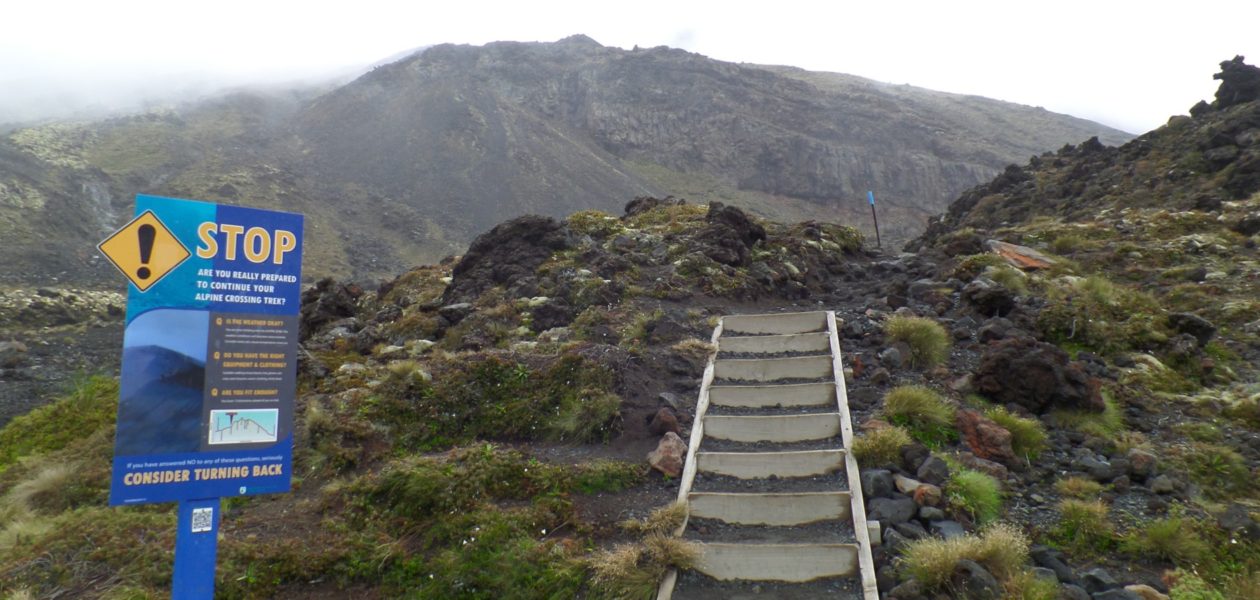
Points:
x=196 y=547
x=870 y=196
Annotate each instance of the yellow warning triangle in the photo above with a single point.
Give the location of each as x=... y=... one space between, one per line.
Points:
x=144 y=250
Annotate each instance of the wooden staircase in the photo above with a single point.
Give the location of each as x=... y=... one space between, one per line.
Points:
x=773 y=420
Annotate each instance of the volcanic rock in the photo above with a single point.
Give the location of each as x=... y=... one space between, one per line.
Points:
x=1035 y=375
x=509 y=253
x=986 y=438
x=669 y=455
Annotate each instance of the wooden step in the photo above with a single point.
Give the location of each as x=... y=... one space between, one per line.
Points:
x=761 y=465
x=773 y=428
x=777 y=324
x=769 y=344
x=771 y=369
x=762 y=396
x=770 y=509
x=777 y=562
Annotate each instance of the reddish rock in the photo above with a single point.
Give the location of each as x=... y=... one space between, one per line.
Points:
x=1141 y=463
x=986 y=439
x=669 y=456
x=664 y=422
x=927 y=495
x=1037 y=376
x=985 y=466
x=1021 y=256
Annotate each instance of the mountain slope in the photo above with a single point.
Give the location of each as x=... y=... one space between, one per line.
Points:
x=404 y=164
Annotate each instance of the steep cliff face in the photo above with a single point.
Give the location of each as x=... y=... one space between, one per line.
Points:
x=403 y=165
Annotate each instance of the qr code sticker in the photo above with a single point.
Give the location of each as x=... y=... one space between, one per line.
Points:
x=202 y=519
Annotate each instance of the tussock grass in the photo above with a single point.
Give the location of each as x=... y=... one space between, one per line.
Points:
x=880 y=447
x=929 y=342
x=694 y=348
x=977 y=494
x=1108 y=424
x=1083 y=528
x=43 y=493
x=1028 y=436
x=662 y=521
x=1026 y=585
x=1175 y=539
x=922 y=411
x=633 y=571
x=1078 y=487
x=1008 y=277
x=1218 y=469
x=1002 y=549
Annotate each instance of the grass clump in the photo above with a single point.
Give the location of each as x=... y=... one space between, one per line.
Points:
x=880 y=447
x=929 y=342
x=1008 y=277
x=1083 y=528
x=1175 y=539
x=1028 y=436
x=1001 y=549
x=663 y=520
x=1219 y=470
x=1107 y=424
x=633 y=571
x=922 y=411
x=1078 y=487
x=1026 y=585
x=1189 y=586
x=91 y=404
x=976 y=494
x=1101 y=316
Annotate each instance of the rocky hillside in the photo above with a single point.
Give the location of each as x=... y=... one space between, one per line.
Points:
x=405 y=164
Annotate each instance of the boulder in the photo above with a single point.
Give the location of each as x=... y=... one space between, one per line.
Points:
x=1192 y=324
x=669 y=456
x=986 y=438
x=664 y=421
x=1037 y=376
x=933 y=471
x=1240 y=83
x=1146 y=592
x=927 y=495
x=1141 y=463
x=971 y=581
x=876 y=483
x=947 y=529
x=729 y=236
x=643 y=204
x=510 y=252
x=1248 y=225
x=989 y=298
x=891 y=511
x=1098 y=580
x=326 y=302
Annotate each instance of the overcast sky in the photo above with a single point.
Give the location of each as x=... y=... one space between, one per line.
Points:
x=1127 y=64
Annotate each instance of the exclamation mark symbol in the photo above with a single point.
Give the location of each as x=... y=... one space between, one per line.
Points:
x=146 y=233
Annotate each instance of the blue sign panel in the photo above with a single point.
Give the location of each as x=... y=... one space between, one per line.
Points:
x=209 y=353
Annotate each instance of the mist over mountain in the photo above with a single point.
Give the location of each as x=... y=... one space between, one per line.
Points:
x=406 y=163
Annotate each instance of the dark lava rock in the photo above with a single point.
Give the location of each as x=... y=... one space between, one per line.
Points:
x=454 y=313
x=893 y=541
x=876 y=483
x=960 y=245
x=550 y=314
x=1098 y=580
x=324 y=303
x=933 y=471
x=890 y=511
x=911 y=530
x=1184 y=322
x=1240 y=82
x=988 y=297
x=510 y=252
x=730 y=235
x=998 y=328
x=1052 y=559
x=931 y=513
x=974 y=582
x=1073 y=592
x=1237 y=520
x=643 y=204
x=1248 y=225
x=663 y=422
x=1037 y=376
x=910 y=590
x=946 y=529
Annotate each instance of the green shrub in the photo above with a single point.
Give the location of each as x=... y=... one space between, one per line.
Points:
x=1000 y=548
x=1219 y=470
x=973 y=265
x=1102 y=316
x=1175 y=539
x=880 y=447
x=91 y=404
x=1083 y=528
x=976 y=494
x=1009 y=277
x=1189 y=586
x=1028 y=436
x=921 y=410
x=929 y=342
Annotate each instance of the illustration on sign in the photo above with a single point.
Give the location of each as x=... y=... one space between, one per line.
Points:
x=209 y=352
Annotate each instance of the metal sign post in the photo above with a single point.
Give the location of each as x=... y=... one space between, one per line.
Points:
x=870 y=196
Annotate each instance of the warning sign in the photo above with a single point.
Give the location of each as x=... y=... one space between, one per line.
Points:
x=144 y=250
